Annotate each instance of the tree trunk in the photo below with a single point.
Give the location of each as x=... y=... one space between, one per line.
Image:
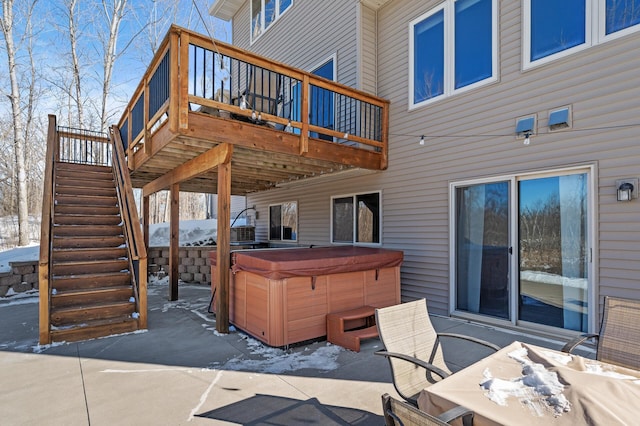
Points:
x=18 y=129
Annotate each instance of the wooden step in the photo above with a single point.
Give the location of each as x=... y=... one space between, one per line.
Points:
x=345 y=328
x=88 y=281
x=94 y=329
x=87 y=297
x=106 y=182
x=109 y=191
x=86 y=210
x=80 y=219
x=87 y=231
x=80 y=170
x=77 y=315
x=85 y=200
x=79 y=254
x=87 y=242
x=89 y=267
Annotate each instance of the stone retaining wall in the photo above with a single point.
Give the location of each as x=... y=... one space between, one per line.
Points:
x=22 y=277
x=194 y=266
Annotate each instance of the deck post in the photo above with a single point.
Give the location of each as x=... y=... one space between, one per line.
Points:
x=145 y=221
x=174 y=241
x=223 y=251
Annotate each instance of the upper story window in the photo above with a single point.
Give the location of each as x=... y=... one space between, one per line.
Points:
x=355 y=219
x=264 y=13
x=553 y=29
x=453 y=47
x=283 y=221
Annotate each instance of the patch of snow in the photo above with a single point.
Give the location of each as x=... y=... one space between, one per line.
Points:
x=41 y=348
x=13 y=298
x=29 y=253
x=536 y=382
x=596 y=368
x=277 y=361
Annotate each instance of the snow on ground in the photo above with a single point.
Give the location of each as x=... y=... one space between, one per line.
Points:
x=18 y=254
x=258 y=357
x=192 y=233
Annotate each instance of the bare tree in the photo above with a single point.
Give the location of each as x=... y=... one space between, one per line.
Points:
x=19 y=123
x=113 y=12
x=71 y=8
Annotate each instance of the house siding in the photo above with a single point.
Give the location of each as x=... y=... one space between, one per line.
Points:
x=471 y=135
x=307 y=35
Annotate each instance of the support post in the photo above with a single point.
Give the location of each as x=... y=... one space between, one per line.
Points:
x=174 y=242
x=223 y=251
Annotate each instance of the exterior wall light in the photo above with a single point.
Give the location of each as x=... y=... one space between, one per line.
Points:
x=626 y=189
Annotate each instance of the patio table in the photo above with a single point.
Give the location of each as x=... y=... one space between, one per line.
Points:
x=527 y=384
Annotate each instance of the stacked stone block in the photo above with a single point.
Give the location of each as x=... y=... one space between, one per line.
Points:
x=194 y=266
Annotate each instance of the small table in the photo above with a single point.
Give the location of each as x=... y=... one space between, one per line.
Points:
x=586 y=390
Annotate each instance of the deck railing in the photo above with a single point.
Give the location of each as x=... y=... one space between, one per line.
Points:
x=192 y=73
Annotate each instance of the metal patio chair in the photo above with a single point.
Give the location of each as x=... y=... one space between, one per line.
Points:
x=413 y=347
x=619 y=339
x=399 y=413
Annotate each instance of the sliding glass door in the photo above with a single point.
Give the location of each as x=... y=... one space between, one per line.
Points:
x=521 y=249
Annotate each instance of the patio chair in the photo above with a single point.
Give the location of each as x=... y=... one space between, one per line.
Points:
x=619 y=339
x=399 y=413
x=263 y=94
x=413 y=347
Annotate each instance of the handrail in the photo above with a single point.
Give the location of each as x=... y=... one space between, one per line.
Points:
x=133 y=233
x=198 y=73
x=51 y=158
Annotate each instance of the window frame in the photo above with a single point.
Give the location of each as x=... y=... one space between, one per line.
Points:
x=594 y=26
x=282 y=239
x=448 y=8
x=263 y=28
x=354 y=236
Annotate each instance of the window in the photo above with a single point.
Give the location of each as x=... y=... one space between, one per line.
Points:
x=452 y=48
x=264 y=13
x=521 y=248
x=356 y=219
x=283 y=222
x=555 y=29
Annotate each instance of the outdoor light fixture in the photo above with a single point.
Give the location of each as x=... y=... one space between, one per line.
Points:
x=422 y=140
x=625 y=191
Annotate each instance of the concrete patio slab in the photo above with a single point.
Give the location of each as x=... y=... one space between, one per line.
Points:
x=182 y=372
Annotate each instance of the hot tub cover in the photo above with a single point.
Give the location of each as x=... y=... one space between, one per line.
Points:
x=305 y=262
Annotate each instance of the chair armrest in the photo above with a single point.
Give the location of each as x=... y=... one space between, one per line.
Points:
x=456 y=413
x=571 y=345
x=427 y=366
x=471 y=339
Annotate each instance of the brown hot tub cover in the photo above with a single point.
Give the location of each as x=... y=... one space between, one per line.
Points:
x=304 y=262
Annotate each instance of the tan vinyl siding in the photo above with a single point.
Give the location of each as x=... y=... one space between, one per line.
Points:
x=367 y=59
x=306 y=35
x=472 y=135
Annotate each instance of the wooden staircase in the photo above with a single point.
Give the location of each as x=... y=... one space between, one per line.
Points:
x=91 y=280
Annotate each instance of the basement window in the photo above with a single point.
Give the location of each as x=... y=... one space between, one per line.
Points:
x=283 y=221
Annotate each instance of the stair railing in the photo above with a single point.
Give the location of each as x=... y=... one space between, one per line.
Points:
x=52 y=156
x=131 y=221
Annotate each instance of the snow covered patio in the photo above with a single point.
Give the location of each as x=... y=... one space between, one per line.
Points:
x=181 y=371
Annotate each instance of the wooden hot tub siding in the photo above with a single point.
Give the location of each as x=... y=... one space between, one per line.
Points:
x=284 y=311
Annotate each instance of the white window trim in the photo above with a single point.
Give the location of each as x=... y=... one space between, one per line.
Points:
x=592 y=295
x=262 y=16
x=595 y=27
x=355 y=212
x=282 y=240
x=449 y=56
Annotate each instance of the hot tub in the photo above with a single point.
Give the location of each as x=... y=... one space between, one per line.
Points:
x=282 y=296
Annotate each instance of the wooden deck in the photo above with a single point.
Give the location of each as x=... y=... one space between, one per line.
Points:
x=210 y=117
x=199 y=95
